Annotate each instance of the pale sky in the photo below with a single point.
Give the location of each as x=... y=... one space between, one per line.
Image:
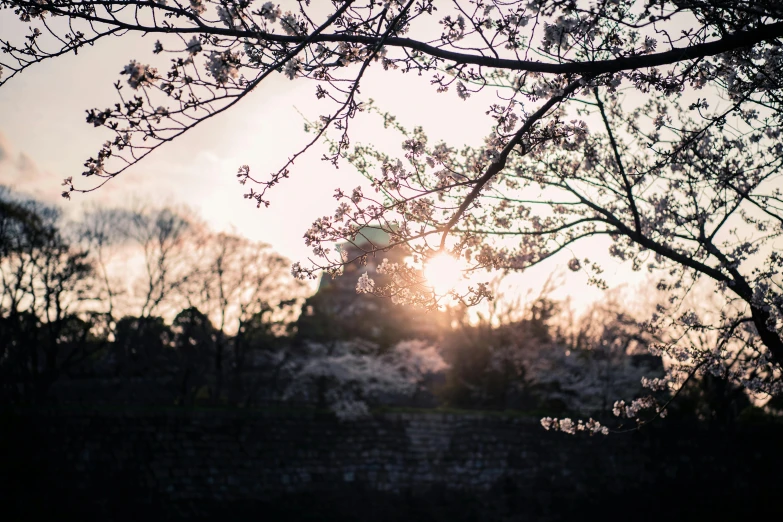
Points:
x=44 y=138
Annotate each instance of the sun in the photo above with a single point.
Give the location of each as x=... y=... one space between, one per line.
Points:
x=443 y=272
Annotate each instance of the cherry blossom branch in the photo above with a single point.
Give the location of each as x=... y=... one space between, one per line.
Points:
x=500 y=162
x=737 y=40
x=618 y=160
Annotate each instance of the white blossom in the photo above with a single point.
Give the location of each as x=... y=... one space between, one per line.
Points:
x=292 y=66
x=194 y=46
x=462 y=91
x=289 y=24
x=566 y=425
x=197 y=6
x=139 y=75
x=270 y=12
x=365 y=285
x=222 y=66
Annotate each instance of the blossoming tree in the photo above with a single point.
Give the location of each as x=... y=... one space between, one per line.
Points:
x=655 y=123
x=348 y=374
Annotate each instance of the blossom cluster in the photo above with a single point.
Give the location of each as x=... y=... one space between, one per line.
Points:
x=359 y=372
x=222 y=66
x=632 y=410
x=570 y=427
x=139 y=74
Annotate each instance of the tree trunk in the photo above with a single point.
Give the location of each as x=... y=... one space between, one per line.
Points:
x=771 y=339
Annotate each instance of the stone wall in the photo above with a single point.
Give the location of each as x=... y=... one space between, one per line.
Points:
x=180 y=463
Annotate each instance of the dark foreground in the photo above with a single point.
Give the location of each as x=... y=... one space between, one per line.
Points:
x=262 y=465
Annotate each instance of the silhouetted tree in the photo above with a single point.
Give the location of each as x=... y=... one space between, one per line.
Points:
x=45 y=280
x=142 y=347
x=194 y=349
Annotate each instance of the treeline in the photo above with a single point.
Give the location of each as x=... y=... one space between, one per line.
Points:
x=152 y=306
x=150 y=293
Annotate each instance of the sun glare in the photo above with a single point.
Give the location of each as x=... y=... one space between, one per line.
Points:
x=443 y=273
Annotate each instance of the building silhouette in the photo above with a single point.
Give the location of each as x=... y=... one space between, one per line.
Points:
x=338 y=312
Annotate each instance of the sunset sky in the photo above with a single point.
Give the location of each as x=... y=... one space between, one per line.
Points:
x=44 y=138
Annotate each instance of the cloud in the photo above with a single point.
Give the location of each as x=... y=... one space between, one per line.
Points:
x=5 y=148
x=27 y=167
x=21 y=173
